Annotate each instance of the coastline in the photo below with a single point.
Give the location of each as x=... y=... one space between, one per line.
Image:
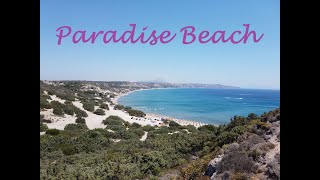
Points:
x=95 y=121
x=158 y=117
x=115 y=99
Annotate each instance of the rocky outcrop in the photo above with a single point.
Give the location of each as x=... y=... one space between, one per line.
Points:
x=255 y=154
x=274 y=168
x=212 y=167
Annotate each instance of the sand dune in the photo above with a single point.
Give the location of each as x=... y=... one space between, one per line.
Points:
x=95 y=121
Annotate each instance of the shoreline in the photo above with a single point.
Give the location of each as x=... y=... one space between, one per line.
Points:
x=95 y=121
x=115 y=99
x=157 y=117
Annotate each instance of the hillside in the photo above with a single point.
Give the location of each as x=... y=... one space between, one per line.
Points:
x=84 y=135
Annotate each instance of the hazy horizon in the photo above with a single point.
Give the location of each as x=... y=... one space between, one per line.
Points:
x=150 y=81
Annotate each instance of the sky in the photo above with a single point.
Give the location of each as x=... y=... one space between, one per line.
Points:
x=250 y=65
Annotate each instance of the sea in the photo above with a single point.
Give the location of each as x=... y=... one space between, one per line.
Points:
x=211 y=106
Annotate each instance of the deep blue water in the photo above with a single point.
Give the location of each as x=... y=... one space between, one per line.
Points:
x=212 y=106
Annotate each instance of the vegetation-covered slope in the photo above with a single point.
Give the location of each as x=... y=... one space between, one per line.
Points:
x=243 y=149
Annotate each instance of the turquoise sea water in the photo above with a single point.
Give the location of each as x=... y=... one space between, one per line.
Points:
x=212 y=106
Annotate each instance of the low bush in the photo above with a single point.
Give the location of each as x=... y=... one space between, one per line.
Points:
x=236 y=161
x=80 y=120
x=127 y=108
x=226 y=138
x=148 y=128
x=239 y=176
x=99 y=112
x=58 y=111
x=190 y=128
x=68 y=149
x=173 y=123
x=68 y=110
x=72 y=127
x=252 y=116
x=89 y=106
x=118 y=107
x=67 y=102
x=116 y=127
x=53 y=132
x=104 y=106
x=113 y=120
x=210 y=128
x=138 y=132
x=43 y=120
x=80 y=113
x=43 y=127
x=44 y=104
x=135 y=125
x=136 y=113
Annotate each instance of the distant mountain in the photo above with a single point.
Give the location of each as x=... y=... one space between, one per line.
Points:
x=199 y=85
x=159 y=83
x=150 y=84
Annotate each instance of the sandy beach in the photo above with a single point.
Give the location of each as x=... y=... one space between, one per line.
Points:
x=95 y=121
x=157 y=117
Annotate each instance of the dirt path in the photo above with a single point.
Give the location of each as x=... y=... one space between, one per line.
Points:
x=144 y=137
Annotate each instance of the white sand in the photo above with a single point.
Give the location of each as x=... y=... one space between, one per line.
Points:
x=155 y=117
x=95 y=121
x=116 y=140
x=55 y=98
x=144 y=137
x=58 y=122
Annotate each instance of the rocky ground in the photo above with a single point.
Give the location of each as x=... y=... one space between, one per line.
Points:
x=255 y=155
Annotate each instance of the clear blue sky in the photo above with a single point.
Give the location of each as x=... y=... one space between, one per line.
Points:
x=251 y=65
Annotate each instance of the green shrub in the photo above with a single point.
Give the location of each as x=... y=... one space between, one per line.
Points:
x=135 y=125
x=43 y=127
x=53 y=132
x=174 y=124
x=116 y=127
x=68 y=110
x=148 y=128
x=58 y=111
x=80 y=113
x=190 y=128
x=72 y=127
x=44 y=104
x=104 y=106
x=136 y=113
x=50 y=93
x=252 y=116
x=67 y=102
x=99 y=112
x=226 y=137
x=80 y=120
x=138 y=132
x=68 y=149
x=43 y=120
x=210 y=128
x=118 y=107
x=126 y=123
x=127 y=108
x=254 y=154
x=113 y=120
x=162 y=130
x=239 y=130
x=130 y=134
x=56 y=104
x=89 y=106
